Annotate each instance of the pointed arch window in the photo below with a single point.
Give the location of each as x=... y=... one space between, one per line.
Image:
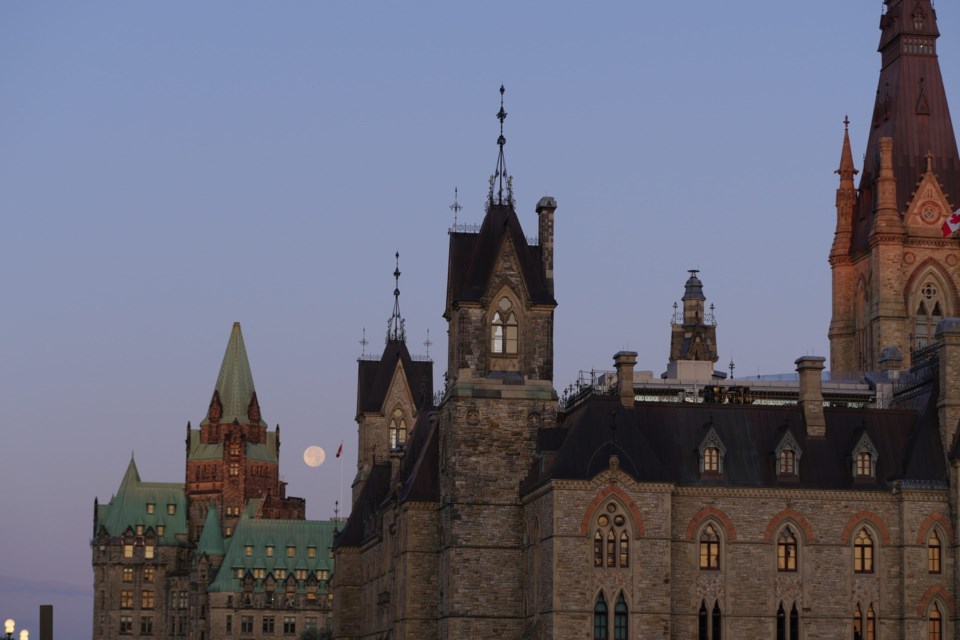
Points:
x=870 y=633
x=620 y=619
x=935 y=623
x=504 y=329
x=716 y=622
x=398 y=429
x=709 y=548
x=702 y=622
x=794 y=623
x=611 y=540
x=787 y=550
x=857 y=623
x=600 y=618
x=863 y=552
x=864 y=628
x=933 y=552
x=781 y=623
x=864 y=459
x=928 y=314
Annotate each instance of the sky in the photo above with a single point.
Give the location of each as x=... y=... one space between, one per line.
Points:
x=169 y=168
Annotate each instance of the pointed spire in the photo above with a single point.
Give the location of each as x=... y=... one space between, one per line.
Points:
x=131 y=476
x=501 y=179
x=847 y=169
x=211 y=538
x=395 y=329
x=234 y=390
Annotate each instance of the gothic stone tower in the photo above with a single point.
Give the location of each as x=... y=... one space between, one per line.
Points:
x=499 y=310
x=894 y=273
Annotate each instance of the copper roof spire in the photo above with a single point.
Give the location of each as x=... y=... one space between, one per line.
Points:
x=395 y=329
x=500 y=176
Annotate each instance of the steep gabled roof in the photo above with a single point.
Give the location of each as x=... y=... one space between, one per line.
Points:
x=211 y=538
x=129 y=508
x=235 y=382
x=374 y=378
x=473 y=257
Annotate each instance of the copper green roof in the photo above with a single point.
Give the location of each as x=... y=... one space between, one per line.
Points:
x=211 y=538
x=266 y=452
x=144 y=504
x=235 y=382
x=258 y=534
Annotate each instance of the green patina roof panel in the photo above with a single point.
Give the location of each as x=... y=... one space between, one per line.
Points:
x=266 y=452
x=131 y=506
x=235 y=382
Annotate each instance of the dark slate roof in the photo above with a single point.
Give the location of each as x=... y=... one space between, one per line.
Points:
x=374 y=376
x=419 y=481
x=473 y=257
x=659 y=442
x=896 y=115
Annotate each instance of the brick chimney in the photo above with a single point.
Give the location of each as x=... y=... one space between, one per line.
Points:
x=948 y=404
x=545 y=210
x=810 y=369
x=625 y=361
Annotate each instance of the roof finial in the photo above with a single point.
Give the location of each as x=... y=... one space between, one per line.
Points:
x=846 y=123
x=427 y=343
x=500 y=176
x=363 y=343
x=395 y=326
x=455 y=207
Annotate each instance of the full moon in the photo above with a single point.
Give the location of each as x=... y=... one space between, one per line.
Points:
x=314 y=456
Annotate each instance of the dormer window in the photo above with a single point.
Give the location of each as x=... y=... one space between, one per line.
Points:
x=171 y=509
x=711 y=452
x=150 y=508
x=398 y=429
x=504 y=329
x=788 y=457
x=864 y=459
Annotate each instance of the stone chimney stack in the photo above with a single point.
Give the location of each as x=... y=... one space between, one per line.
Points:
x=891 y=362
x=625 y=361
x=810 y=369
x=948 y=404
x=545 y=210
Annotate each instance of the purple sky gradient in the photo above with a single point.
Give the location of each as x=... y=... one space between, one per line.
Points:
x=169 y=168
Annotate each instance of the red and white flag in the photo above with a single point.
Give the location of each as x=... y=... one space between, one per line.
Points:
x=951 y=224
x=340 y=450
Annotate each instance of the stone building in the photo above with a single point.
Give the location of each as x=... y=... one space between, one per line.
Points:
x=693 y=505
x=223 y=554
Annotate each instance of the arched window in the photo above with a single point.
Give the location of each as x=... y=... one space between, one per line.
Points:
x=711 y=460
x=398 y=429
x=716 y=623
x=611 y=542
x=709 y=548
x=863 y=552
x=870 y=632
x=702 y=622
x=788 y=462
x=600 y=618
x=857 y=623
x=781 y=623
x=934 y=623
x=620 y=619
x=794 y=623
x=864 y=464
x=504 y=328
x=929 y=313
x=787 y=550
x=933 y=552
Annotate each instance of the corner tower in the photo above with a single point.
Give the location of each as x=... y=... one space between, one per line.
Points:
x=894 y=274
x=499 y=309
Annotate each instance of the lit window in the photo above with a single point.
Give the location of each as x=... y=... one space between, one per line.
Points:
x=311 y=552
x=787 y=462
x=126 y=625
x=711 y=460
x=709 y=548
x=504 y=328
x=234 y=449
x=280 y=574
x=139 y=529
x=323 y=574
x=171 y=509
x=228 y=532
x=234 y=469
x=126 y=599
x=598 y=549
x=160 y=529
x=624 y=549
x=301 y=574
x=787 y=551
x=258 y=573
x=864 y=465
x=933 y=553
x=398 y=429
x=148 y=574
x=146 y=600
x=934 y=623
x=128 y=551
x=150 y=508
x=248 y=550
x=238 y=573
x=128 y=574
x=290 y=551
x=270 y=551
x=611 y=549
x=863 y=552
x=148 y=552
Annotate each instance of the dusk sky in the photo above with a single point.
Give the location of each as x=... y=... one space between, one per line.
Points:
x=169 y=168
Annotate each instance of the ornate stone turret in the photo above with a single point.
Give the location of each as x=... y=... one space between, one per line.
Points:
x=693 y=335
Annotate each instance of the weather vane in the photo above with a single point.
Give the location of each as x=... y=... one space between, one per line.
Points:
x=456 y=206
x=427 y=343
x=363 y=343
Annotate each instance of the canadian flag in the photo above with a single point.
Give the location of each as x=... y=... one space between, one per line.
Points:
x=951 y=224
x=340 y=450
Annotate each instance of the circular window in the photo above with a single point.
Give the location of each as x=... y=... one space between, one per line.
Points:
x=603 y=521
x=618 y=520
x=611 y=507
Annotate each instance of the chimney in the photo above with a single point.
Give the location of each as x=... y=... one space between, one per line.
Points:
x=545 y=209
x=625 y=361
x=810 y=369
x=891 y=363
x=948 y=404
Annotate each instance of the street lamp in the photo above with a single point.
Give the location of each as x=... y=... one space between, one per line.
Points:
x=9 y=625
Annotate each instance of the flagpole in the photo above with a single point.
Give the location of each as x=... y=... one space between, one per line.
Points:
x=340 y=457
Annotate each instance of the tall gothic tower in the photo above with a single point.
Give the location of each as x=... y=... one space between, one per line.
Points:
x=895 y=275
x=499 y=309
